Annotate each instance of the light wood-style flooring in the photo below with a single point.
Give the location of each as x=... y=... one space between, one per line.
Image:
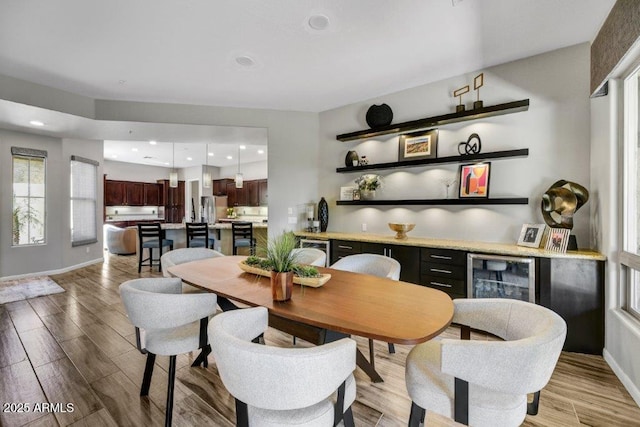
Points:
x=78 y=347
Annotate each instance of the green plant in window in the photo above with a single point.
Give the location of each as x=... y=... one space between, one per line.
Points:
x=23 y=216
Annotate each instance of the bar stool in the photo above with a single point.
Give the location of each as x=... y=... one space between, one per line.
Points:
x=243 y=237
x=151 y=236
x=198 y=235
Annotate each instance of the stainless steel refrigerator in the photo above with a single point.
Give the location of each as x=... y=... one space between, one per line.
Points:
x=212 y=208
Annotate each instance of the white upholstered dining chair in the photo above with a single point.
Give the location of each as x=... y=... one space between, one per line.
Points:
x=182 y=255
x=275 y=387
x=310 y=256
x=376 y=265
x=486 y=382
x=167 y=323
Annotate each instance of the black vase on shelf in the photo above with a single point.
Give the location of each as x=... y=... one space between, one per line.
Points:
x=352 y=159
x=379 y=115
x=323 y=214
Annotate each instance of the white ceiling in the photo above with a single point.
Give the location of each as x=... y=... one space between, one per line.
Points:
x=185 y=51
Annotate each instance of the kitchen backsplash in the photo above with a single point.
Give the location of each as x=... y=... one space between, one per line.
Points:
x=252 y=213
x=132 y=213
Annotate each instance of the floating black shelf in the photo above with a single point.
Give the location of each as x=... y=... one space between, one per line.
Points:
x=462 y=202
x=490 y=111
x=448 y=159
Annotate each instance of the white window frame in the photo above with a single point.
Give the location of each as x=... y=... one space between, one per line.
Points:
x=630 y=256
x=30 y=153
x=88 y=233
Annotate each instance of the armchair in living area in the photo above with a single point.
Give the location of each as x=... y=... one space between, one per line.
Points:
x=486 y=382
x=274 y=386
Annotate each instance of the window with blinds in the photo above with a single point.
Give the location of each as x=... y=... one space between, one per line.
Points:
x=84 y=190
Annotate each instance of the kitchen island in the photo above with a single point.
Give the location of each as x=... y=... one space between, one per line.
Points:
x=221 y=231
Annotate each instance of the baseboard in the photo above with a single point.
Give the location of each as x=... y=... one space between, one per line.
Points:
x=53 y=272
x=624 y=379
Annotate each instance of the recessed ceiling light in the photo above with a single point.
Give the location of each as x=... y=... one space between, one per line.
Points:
x=243 y=147
x=113 y=156
x=245 y=61
x=260 y=151
x=36 y=123
x=166 y=163
x=189 y=158
x=134 y=149
x=229 y=157
x=318 y=22
x=210 y=154
x=152 y=142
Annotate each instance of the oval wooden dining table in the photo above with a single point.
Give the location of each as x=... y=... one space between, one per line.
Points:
x=348 y=304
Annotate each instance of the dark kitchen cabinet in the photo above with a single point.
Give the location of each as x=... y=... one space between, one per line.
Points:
x=114 y=193
x=263 y=192
x=219 y=186
x=237 y=196
x=343 y=248
x=152 y=194
x=173 y=201
x=407 y=256
x=134 y=193
x=253 y=196
x=123 y=193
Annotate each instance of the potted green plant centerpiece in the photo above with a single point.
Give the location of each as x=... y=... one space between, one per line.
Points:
x=368 y=184
x=282 y=260
x=281 y=266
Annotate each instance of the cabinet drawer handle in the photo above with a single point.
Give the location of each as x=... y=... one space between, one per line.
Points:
x=444 y=285
x=345 y=247
x=440 y=271
x=440 y=257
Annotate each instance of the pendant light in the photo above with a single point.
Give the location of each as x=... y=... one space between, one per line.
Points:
x=173 y=176
x=206 y=175
x=238 y=175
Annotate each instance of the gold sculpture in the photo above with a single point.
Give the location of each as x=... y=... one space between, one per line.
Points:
x=458 y=93
x=561 y=201
x=478 y=82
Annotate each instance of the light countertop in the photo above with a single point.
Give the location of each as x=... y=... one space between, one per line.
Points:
x=463 y=245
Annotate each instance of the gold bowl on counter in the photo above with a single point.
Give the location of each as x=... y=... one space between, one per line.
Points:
x=401 y=229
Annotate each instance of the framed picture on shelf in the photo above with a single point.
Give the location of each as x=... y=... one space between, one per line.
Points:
x=557 y=240
x=474 y=180
x=346 y=193
x=531 y=235
x=418 y=145
x=356 y=194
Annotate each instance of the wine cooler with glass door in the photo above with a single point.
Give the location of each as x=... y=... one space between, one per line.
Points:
x=496 y=276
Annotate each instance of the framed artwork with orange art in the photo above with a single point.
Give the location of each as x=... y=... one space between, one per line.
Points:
x=474 y=180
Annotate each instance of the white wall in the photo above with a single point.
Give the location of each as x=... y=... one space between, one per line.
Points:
x=57 y=254
x=554 y=129
x=123 y=171
x=253 y=170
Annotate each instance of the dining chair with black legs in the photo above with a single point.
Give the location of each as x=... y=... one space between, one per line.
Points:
x=151 y=236
x=242 y=232
x=198 y=235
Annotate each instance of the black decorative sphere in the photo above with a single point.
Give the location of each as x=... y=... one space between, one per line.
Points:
x=379 y=115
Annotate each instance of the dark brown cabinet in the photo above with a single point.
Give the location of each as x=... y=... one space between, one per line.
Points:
x=152 y=195
x=253 y=197
x=173 y=201
x=114 y=193
x=130 y=193
x=219 y=186
x=445 y=270
x=134 y=193
x=263 y=193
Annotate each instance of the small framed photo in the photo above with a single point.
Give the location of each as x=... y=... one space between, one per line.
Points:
x=346 y=193
x=474 y=180
x=557 y=240
x=531 y=235
x=356 y=194
x=418 y=145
